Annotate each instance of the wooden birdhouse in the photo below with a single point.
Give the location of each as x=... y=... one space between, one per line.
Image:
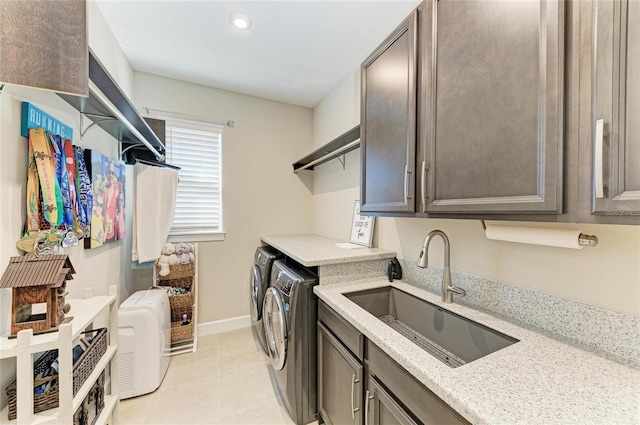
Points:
x=39 y=290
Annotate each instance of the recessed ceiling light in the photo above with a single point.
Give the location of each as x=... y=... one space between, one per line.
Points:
x=240 y=20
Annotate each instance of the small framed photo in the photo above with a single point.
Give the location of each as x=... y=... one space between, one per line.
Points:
x=361 y=228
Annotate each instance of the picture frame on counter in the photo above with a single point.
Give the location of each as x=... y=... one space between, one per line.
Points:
x=361 y=227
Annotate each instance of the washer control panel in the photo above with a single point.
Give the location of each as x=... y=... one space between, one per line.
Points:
x=286 y=282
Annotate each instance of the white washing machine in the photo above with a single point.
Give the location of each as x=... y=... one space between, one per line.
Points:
x=144 y=342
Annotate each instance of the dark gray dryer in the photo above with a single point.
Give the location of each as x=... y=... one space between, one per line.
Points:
x=290 y=315
x=258 y=284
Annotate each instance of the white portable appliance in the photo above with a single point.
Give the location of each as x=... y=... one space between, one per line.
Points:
x=144 y=342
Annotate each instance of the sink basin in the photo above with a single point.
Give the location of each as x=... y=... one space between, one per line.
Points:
x=450 y=338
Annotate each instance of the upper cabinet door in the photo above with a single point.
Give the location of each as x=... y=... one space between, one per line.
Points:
x=494 y=81
x=615 y=121
x=388 y=123
x=44 y=45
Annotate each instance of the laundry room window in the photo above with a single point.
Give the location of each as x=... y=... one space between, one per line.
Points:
x=196 y=148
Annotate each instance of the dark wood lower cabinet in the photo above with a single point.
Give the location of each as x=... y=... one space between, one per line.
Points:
x=339 y=381
x=360 y=384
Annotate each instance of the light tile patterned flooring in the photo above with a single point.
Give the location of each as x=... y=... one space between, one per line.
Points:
x=225 y=381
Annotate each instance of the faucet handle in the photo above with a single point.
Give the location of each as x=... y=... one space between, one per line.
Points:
x=457 y=291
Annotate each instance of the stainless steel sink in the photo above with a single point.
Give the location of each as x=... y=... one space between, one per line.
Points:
x=451 y=338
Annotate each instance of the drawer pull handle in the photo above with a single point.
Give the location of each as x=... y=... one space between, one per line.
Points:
x=366 y=407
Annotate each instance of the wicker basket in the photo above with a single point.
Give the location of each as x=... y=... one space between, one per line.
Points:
x=178 y=271
x=180 y=304
x=183 y=282
x=180 y=332
x=81 y=371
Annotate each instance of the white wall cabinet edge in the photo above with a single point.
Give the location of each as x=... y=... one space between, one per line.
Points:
x=84 y=311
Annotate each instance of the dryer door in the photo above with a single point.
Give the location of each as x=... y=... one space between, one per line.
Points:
x=275 y=327
x=256 y=289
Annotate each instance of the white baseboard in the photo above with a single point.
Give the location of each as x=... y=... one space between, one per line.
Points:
x=224 y=325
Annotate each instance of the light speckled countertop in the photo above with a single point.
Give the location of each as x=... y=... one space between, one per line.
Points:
x=537 y=380
x=315 y=250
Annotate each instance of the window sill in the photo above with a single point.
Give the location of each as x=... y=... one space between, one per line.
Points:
x=197 y=237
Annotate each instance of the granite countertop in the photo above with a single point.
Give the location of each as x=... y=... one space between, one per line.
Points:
x=314 y=250
x=537 y=380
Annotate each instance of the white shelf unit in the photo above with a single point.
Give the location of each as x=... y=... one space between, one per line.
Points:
x=188 y=345
x=84 y=311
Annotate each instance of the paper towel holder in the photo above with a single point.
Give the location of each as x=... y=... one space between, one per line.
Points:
x=587 y=240
x=583 y=239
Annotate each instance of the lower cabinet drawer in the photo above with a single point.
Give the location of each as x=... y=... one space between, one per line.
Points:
x=422 y=403
x=346 y=333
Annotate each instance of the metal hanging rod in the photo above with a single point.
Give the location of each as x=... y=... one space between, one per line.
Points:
x=334 y=154
x=157 y=164
x=228 y=123
x=135 y=145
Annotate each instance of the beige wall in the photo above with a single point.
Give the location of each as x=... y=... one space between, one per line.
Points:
x=261 y=195
x=607 y=276
x=335 y=189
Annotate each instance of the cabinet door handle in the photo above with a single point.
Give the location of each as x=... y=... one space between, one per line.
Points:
x=423 y=184
x=407 y=172
x=598 y=158
x=366 y=407
x=353 y=386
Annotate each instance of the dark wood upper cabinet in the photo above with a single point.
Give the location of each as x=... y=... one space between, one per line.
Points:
x=388 y=123
x=43 y=44
x=611 y=165
x=494 y=81
x=524 y=110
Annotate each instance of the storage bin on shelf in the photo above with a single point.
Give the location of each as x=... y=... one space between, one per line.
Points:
x=180 y=282
x=92 y=405
x=181 y=332
x=177 y=271
x=180 y=303
x=48 y=398
x=181 y=277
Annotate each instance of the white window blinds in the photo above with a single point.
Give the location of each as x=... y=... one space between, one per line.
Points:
x=197 y=149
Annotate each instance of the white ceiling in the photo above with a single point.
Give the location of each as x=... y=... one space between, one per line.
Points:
x=296 y=51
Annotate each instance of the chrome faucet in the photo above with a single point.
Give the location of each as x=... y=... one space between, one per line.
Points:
x=423 y=261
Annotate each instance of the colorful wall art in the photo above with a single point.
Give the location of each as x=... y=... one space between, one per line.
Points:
x=108 y=216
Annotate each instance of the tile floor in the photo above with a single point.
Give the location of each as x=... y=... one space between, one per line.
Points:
x=225 y=381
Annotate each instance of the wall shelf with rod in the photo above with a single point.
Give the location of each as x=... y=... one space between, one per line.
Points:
x=341 y=145
x=110 y=109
